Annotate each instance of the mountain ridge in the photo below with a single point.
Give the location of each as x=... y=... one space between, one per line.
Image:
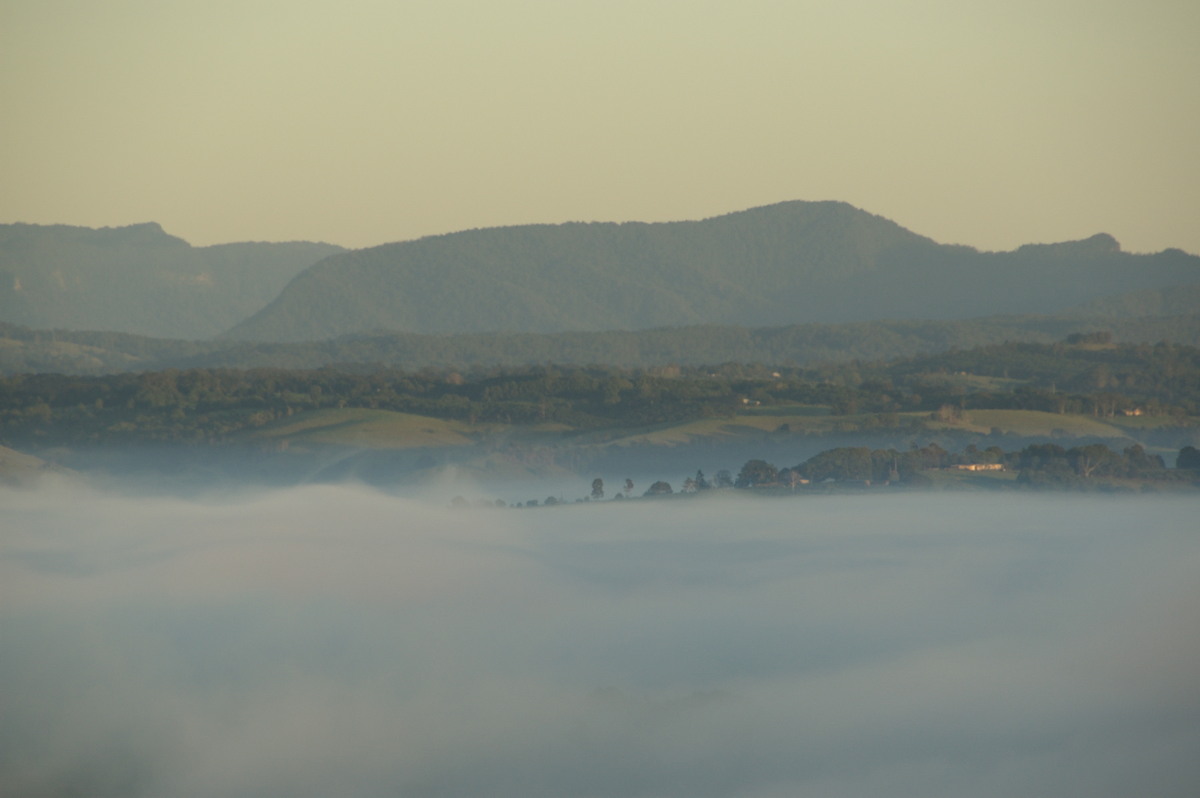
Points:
x=139 y=279
x=787 y=263
x=794 y=262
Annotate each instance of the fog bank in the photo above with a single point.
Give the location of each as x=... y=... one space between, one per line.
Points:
x=336 y=641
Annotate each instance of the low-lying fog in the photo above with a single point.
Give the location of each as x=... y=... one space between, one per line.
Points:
x=331 y=641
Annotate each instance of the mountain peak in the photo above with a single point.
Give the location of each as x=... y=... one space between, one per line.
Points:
x=138 y=278
x=776 y=264
x=139 y=227
x=1099 y=244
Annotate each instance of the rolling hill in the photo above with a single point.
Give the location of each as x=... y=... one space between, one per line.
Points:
x=23 y=350
x=139 y=279
x=794 y=262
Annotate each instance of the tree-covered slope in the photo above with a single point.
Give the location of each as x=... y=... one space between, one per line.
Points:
x=795 y=262
x=545 y=278
x=25 y=351
x=1171 y=301
x=1148 y=387
x=139 y=279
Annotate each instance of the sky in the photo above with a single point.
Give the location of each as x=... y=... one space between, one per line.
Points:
x=363 y=122
x=334 y=641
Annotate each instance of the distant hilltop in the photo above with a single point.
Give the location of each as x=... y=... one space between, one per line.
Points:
x=793 y=262
x=783 y=264
x=139 y=279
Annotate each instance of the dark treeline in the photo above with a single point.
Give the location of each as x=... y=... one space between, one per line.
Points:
x=209 y=405
x=1038 y=465
x=1089 y=376
x=1082 y=364
x=24 y=350
x=1093 y=466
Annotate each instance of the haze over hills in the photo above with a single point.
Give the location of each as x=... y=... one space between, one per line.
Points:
x=139 y=279
x=24 y=351
x=1174 y=301
x=794 y=262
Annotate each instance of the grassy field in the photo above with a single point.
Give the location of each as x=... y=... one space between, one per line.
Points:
x=756 y=424
x=978 y=382
x=805 y=420
x=1036 y=422
x=382 y=429
x=387 y=429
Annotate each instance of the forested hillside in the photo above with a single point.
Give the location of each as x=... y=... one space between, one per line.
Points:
x=796 y=262
x=139 y=279
x=23 y=350
x=1175 y=300
x=1090 y=377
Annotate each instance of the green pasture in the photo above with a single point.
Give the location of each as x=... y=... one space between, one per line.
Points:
x=1037 y=422
x=388 y=429
x=776 y=420
x=973 y=383
x=383 y=429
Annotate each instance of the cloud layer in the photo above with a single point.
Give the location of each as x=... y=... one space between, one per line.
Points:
x=331 y=640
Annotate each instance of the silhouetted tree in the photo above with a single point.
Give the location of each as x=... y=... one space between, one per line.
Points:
x=756 y=472
x=1189 y=457
x=841 y=463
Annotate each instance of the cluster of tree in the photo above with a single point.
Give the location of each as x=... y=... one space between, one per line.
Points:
x=210 y=405
x=821 y=261
x=1045 y=464
x=1189 y=458
x=26 y=350
x=1062 y=377
x=1037 y=465
x=203 y=405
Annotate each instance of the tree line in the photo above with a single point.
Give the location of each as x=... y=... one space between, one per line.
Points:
x=1046 y=464
x=205 y=405
x=1037 y=465
x=26 y=350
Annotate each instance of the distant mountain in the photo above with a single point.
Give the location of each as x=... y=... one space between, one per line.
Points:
x=139 y=279
x=1172 y=301
x=795 y=262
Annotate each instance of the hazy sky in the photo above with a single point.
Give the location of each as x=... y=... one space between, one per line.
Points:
x=331 y=641
x=362 y=121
